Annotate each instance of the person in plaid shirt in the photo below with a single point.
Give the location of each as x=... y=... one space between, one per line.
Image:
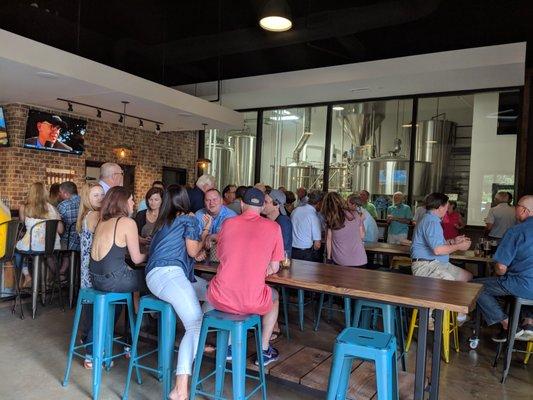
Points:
x=68 y=209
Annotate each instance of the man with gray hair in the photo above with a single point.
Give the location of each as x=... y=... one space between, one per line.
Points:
x=399 y=217
x=196 y=195
x=501 y=217
x=111 y=175
x=307 y=229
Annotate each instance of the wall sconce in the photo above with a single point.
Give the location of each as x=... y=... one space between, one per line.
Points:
x=203 y=163
x=123 y=151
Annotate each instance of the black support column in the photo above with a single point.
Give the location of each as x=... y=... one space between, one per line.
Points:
x=327 y=147
x=258 y=148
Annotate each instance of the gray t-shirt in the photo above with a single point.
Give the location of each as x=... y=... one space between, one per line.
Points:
x=501 y=217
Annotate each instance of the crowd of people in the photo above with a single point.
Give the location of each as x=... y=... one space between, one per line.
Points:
x=250 y=230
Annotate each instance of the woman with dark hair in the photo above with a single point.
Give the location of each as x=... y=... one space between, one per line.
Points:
x=289 y=205
x=345 y=232
x=146 y=219
x=178 y=240
x=114 y=235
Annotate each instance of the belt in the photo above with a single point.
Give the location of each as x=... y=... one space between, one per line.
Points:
x=421 y=259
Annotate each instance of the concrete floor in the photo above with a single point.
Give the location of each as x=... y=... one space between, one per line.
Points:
x=33 y=360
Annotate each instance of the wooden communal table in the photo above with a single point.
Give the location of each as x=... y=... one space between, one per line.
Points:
x=402 y=250
x=404 y=290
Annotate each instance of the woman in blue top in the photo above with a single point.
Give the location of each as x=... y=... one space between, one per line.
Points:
x=176 y=242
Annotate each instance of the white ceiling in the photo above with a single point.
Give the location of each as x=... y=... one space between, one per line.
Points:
x=468 y=69
x=85 y=81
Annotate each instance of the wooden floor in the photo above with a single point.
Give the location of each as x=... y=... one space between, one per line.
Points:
x=310 y=367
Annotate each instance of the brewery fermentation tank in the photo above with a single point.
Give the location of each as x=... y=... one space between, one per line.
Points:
x=387 y=175
x=339 y=177
x=293 y=177
x=243 y=163
x=221 y=167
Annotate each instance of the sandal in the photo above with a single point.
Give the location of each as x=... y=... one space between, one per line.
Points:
x=88 y=363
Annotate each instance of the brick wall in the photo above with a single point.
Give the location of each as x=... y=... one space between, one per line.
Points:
x=19 y=167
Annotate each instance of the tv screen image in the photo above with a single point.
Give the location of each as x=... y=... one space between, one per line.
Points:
x=3 y=129
x=45 y=131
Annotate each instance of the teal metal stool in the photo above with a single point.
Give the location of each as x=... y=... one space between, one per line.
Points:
x=165 y=349
x=354 y=343
x=238 y=326
x=301 y=303
x=103 y=328
x=392 y=319
x=347 y=310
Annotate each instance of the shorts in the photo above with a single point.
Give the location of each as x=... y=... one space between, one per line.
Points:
x=436 y=269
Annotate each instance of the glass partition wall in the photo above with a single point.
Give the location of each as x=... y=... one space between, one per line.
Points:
x=464 y=146
x=293 y=147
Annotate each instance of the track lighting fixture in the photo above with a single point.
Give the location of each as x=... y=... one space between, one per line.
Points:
x=141 y=123
x=121 y=119
x=157 y=128
x=98 y=113
x=70 y=108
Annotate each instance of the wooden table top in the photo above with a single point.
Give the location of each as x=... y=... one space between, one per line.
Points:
x=390 y=287
x=402 y=250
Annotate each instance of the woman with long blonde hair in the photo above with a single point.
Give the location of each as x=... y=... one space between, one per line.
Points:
x=345 y=232
x=36 y=209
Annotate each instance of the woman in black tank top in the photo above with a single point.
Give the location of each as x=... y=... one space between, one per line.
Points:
x=109 y=271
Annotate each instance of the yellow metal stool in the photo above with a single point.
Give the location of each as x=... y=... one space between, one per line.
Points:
x=529 y=350
x=449 y=327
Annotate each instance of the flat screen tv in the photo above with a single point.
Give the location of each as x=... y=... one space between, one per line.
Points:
x=45 y=131
x=4 y=141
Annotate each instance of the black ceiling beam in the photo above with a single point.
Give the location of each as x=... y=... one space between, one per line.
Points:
x=315 y=26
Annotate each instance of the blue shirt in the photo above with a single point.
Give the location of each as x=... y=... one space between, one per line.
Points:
x=371 y=227
x=399 y=211
x=216 y=225
x=68 y=209
x=168 y=245
x=305 y=226
x=516 y=252
x=428 y=236
x=286 y=231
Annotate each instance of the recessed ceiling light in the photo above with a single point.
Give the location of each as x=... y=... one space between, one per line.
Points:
x=276 y=16
x=48 y=75
x=338 y=108
x=359 y=89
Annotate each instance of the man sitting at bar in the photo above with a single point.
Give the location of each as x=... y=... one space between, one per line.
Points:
x=501 y=217
x=217 y=210
x=398 y=217
x=197 y=193
x=228 y=194
x=274 y=210
x=307 y=229
x=250 y=247
x=514 y=267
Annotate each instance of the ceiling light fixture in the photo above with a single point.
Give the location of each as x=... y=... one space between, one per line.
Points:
x=338 y=108
x=47 y=75
x=275 y=16
x=362 y=89
x=157 y=128
x=70 y=108
x=121 y=119
x=141 y=123
x=98 y=113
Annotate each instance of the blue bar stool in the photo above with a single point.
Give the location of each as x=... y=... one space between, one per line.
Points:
x=103 y=327
x=238 y=325
x=347 y=310
x=165 y=348
x=301 y=303
x=375 y=346
x=391 y=317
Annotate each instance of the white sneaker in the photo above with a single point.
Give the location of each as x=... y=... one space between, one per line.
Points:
x=461 y=319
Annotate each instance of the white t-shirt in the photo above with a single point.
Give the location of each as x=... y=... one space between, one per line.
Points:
x=502 y=217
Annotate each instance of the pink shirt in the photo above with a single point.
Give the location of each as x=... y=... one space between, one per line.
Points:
x=448 y=225
x=346 y=243
x=246 y=246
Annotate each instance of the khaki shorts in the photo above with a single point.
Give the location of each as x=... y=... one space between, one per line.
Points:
x=436 y=269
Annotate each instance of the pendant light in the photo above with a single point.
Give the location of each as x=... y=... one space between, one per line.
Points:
x=276 y=16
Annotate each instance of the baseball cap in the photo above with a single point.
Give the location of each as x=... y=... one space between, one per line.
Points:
x=254 y=197
x=55 y=120
x=279 y=197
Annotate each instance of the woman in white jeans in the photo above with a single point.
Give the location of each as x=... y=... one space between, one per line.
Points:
x=176 y=242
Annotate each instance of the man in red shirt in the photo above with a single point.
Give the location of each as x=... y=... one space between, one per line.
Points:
x=250 y=248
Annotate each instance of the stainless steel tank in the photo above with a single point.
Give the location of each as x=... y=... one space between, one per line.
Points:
x=293 y=177
x=243 y=162
x=433 y=144
x=386 y=175
x=221 y=164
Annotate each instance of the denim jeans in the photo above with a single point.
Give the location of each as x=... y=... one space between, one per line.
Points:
x=171 y=285
x=309 y=254
x=488 y=299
